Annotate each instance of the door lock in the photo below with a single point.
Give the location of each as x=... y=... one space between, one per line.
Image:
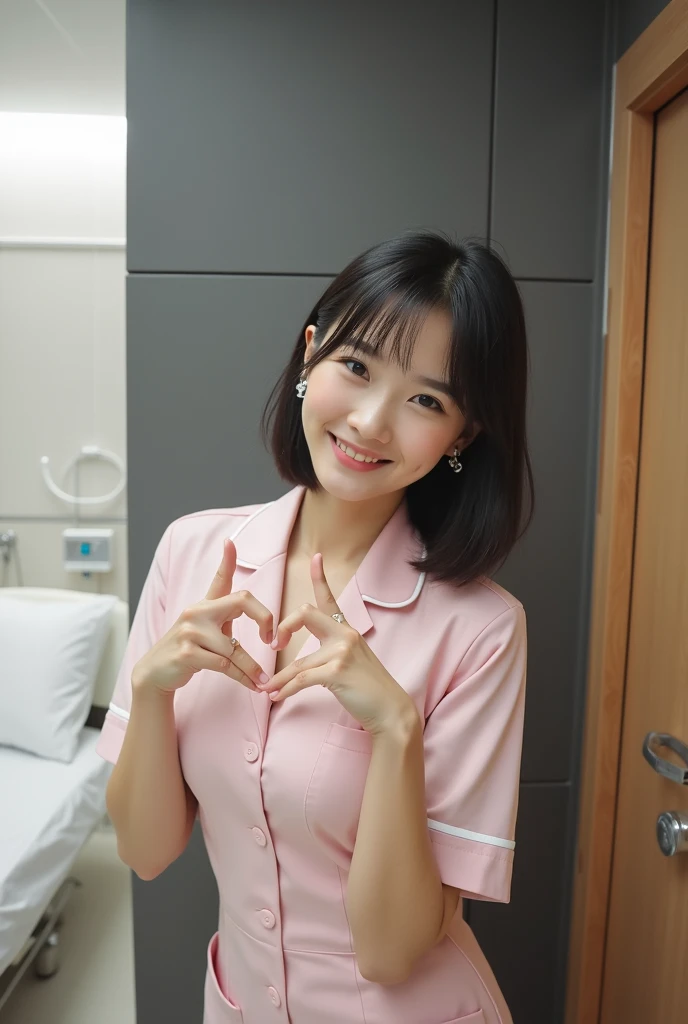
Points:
x=672 y=832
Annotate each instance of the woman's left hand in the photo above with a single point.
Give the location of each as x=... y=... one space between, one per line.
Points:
x=344 y=663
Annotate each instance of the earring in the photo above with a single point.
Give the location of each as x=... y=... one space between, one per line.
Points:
x=301 y=387
x=454 y=461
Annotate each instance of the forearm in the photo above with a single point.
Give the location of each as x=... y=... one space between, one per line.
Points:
x=395 y=900
x=146 y=796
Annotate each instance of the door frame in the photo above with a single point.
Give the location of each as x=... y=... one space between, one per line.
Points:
x=649 y=75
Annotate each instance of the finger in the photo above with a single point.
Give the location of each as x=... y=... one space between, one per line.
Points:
x=247 y=666
x=234 y=673
x=325 y=598
x=319 y=675
x=207 y=638
x=201 y=658
x=317 y=621
x=320 y=657
x=222 y=580
x=224 y=610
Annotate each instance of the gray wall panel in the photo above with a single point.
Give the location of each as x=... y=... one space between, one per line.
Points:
x=521 y=938
x=203 y=353
x=546 y=569
x=278 y=137
x=548 y=123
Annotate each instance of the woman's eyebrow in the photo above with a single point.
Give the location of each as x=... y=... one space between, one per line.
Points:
x=440 y=385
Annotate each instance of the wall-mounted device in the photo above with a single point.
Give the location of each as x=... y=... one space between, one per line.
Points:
x=88 y=550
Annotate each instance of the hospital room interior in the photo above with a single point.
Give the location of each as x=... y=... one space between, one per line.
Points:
x=175 y=183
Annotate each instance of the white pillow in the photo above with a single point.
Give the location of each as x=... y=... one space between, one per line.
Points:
x=50 y=652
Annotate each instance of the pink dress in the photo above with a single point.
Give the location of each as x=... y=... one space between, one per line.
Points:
x=279 y=786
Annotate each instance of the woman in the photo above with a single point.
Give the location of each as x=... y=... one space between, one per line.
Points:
x=354 y=797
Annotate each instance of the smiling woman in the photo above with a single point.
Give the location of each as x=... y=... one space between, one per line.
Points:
x=421 y=311
x=354 y=798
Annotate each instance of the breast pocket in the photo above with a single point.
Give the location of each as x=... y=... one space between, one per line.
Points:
x=335 y=790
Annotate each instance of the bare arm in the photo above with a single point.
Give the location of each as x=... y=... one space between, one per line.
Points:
x=397 y=905
x=149 y=803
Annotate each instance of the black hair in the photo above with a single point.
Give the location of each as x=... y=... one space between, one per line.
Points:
x=467 y=521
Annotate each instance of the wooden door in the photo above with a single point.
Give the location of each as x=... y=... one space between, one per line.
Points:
x=647 y=937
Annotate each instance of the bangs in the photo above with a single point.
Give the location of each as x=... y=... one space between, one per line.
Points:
x=389 y=327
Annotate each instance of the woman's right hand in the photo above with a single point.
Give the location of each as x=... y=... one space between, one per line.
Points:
x=200 y=638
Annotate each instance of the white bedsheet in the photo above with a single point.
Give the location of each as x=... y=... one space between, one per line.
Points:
x=47 y=811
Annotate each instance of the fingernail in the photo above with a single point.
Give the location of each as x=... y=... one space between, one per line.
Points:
x=263 y=678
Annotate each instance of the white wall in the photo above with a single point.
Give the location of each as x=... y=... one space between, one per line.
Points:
x=62 y=274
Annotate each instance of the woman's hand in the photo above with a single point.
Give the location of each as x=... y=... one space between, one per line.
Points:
x=200 y=638
x=344 y=664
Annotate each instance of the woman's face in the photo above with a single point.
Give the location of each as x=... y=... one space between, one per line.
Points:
x=370 y=402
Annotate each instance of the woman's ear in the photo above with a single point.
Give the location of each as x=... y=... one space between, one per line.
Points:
x=309 y=335
x=463 y=442
x=477 y=428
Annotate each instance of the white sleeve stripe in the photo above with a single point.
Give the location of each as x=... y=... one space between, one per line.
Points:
x=119 y=712
x=464 y=833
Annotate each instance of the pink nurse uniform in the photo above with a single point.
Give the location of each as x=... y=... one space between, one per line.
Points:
x=279 y=786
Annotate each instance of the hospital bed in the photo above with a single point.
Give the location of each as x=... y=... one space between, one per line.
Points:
x=48 y=810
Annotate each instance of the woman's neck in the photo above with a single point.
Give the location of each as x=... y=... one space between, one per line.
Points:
x=343 y=531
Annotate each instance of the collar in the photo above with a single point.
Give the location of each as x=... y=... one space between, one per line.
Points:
x=383 y=577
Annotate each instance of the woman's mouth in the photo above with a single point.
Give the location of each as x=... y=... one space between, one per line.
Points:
x=350 y=462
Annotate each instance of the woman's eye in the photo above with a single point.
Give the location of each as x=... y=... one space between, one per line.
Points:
x=345 y=361
x=437 y=404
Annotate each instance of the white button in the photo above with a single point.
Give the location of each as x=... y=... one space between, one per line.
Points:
x=251 y=752
x=268 y=918
x=259 y=836
x=274 y=995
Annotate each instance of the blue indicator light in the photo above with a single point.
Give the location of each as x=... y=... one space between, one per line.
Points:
x=85 y=548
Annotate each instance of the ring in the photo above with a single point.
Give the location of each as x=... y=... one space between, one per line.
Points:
x=338 y=616
x=233 y=641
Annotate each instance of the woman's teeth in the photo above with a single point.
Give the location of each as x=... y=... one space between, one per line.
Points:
x=352 y=454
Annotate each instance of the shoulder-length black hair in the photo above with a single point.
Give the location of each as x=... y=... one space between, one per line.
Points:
x=468 y=521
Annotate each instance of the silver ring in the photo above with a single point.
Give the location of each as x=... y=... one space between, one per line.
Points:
x=233 y=641
x=338 y=616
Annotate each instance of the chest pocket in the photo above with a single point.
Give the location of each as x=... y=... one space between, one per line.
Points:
x=335 y=790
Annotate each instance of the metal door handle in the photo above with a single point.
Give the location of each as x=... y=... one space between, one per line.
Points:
x=652 y=741
x=672 y=826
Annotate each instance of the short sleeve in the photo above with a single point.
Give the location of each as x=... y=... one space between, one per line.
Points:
x=473 y=740
x=147 y=627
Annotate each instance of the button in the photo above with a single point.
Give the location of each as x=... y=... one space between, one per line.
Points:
x=251 y=752
x=259 y=836
x=268 y=918
x=274 y=995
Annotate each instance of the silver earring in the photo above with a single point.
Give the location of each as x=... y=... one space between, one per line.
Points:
x=301 y=387
x=454 y=461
